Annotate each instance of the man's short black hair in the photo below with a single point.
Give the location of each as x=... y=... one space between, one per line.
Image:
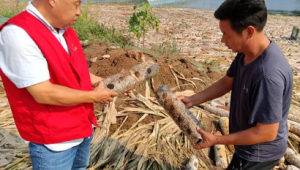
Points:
x=243 y=13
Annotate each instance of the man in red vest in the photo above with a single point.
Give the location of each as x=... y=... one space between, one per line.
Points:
x=48 y=84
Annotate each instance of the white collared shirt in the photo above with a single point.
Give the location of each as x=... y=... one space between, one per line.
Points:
x=24 y=64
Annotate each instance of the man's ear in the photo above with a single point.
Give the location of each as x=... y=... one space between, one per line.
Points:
x=250 y=31
x=52 y=2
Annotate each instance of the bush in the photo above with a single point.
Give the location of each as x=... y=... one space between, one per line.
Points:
x=9 y=9
x=88 y=28
x=167 y=47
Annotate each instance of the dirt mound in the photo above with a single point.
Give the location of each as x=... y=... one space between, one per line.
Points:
x=120 y=59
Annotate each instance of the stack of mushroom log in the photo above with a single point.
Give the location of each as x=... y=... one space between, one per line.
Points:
x=127 y=79
x=292 y=153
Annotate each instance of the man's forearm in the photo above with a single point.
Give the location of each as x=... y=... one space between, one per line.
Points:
x=247 y=137
x=216 y=90
x=53 y=94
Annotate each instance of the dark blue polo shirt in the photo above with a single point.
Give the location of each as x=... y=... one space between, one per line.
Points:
x=261 y=92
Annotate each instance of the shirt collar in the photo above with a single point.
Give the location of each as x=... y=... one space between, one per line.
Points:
x=33 y=11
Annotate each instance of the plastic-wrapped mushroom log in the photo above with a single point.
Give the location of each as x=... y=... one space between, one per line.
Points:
x=220 y=154
x=292 y=167
x=127 y=79
x=294 y=127
x=181 y=115
x=292 y=158
x=224 y=124
x=192 y=164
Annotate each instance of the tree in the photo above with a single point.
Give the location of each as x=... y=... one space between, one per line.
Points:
x=142 y=20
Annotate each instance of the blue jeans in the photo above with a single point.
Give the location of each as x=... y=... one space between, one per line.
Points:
x=75 y=158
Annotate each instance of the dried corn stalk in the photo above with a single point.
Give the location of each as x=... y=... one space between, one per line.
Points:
x=179 y=113
x=281 y=163
x=152 y=146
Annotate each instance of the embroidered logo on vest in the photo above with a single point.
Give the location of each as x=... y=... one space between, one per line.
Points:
x=74 y=48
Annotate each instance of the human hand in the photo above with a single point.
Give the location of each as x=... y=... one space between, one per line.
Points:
x=102 y=95
x=208 y=139
x=186 y=101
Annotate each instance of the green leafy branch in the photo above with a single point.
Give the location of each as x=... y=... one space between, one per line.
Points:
x=142 y=20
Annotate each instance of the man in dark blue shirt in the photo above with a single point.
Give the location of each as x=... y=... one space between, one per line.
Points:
x=261 y=82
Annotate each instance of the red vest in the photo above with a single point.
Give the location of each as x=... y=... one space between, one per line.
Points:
x=47 y=124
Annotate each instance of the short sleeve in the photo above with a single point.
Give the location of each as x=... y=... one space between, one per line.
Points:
x=20 y=58
x=267 y=102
